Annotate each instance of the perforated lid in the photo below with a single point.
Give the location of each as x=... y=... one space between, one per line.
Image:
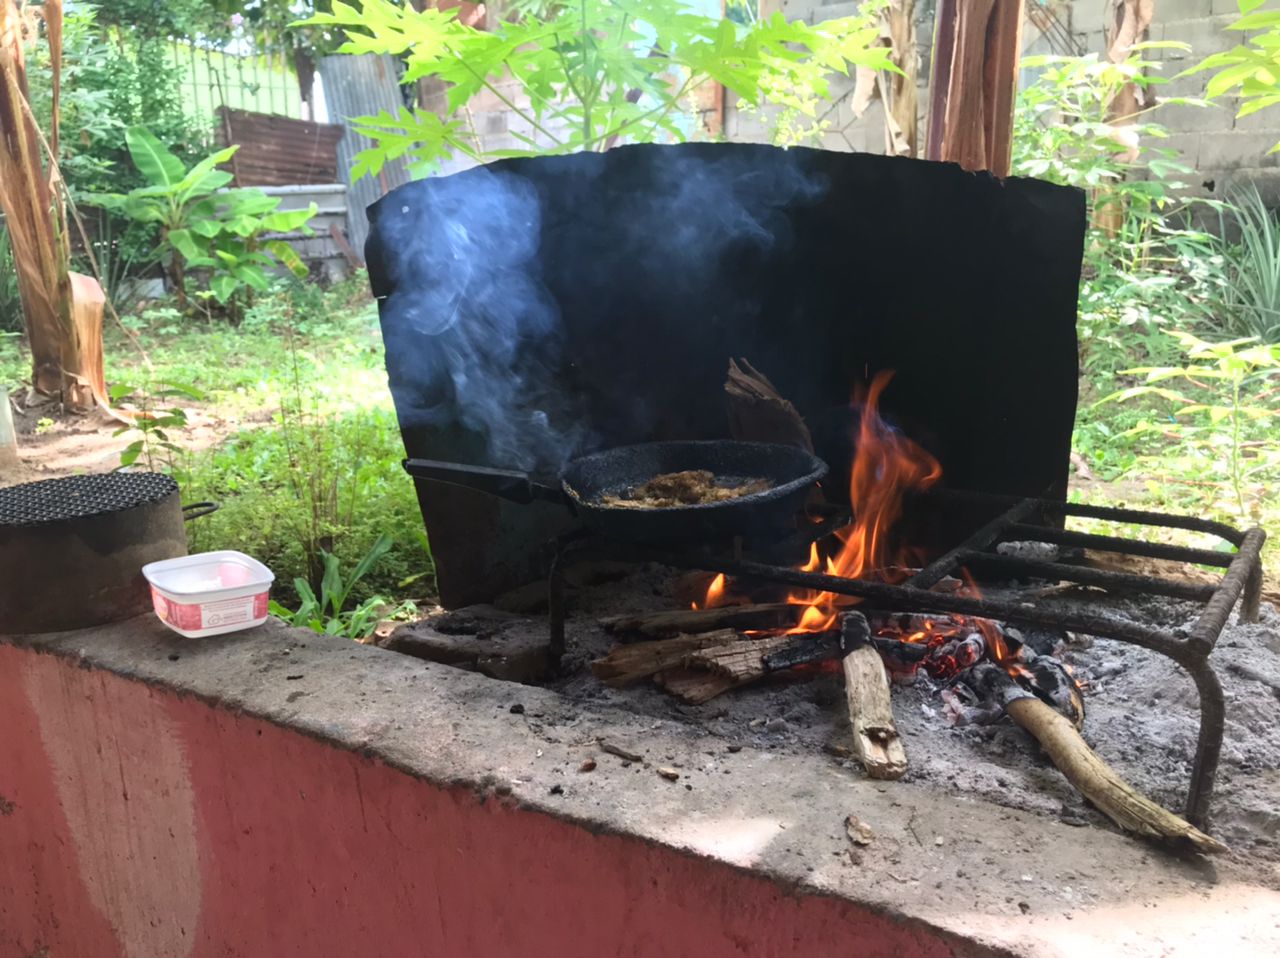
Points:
x=78 y=497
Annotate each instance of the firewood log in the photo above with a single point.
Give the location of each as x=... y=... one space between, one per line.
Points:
x=1090 y=775
x=876 y=743
x=693 y=686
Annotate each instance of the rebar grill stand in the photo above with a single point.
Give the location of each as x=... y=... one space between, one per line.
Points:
x=1023 y=520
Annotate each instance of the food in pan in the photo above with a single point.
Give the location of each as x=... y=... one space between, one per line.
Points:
x=689 y=488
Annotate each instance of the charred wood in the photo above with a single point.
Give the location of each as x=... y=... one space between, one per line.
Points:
x=628 y=664
x=758 y=413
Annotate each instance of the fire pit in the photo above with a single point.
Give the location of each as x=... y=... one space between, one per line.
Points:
x=535 y=311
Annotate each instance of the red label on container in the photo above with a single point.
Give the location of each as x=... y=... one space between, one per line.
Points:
x=194 y=616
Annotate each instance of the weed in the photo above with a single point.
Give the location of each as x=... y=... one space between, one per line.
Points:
x=328 y=612
x=1224 y=439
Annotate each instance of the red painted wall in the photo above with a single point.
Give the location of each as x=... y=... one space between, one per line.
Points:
x=135 y=822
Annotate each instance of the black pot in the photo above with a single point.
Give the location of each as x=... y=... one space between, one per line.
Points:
x=72 y=550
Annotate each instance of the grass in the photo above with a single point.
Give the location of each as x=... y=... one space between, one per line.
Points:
x=321 y=466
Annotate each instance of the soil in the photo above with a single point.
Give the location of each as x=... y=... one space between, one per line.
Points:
x=1142 y=713
x=52 y=443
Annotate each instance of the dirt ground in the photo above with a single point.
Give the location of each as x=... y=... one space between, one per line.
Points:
x=52 y=444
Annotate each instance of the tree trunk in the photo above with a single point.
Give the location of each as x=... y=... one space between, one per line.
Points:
x=977 y=46
x=1129 y=23
x=63 y=364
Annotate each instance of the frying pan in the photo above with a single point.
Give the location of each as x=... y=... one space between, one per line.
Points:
x=585 y=482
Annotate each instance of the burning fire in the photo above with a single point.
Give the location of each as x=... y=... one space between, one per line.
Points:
x=887 y=466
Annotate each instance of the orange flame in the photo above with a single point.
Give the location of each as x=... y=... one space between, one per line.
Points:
x=886 y=467
x=716 y=594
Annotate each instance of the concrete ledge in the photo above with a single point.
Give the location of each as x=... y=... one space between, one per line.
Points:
x=275 y=792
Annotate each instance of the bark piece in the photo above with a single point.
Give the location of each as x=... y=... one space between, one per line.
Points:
x=977 y=44
x=512 y=658
x=758 y=413
x=670 y=622
x=628 y=664
x=741 y=660
x=624 y=752
x=876 y=743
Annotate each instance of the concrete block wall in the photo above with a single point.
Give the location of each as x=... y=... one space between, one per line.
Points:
x=1221 y=149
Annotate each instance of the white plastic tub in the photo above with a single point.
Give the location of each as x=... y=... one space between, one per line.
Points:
x=210 y=593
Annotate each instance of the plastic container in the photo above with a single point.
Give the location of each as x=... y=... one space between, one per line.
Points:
x=210 y=593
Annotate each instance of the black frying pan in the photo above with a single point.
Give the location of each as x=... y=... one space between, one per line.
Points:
x=790 y=471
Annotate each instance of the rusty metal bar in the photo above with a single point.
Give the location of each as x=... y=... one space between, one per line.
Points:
x=910 y=598
x=1134 y=547
x=947 y=563
x=1213 y=619
x=1082 y=510
x=1103 y=578
x=1204 y=768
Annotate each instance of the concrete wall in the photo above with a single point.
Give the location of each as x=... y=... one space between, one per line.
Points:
x=142 y=823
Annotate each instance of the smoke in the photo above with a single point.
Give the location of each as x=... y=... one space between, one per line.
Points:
x=474 y=333
x=469 y=319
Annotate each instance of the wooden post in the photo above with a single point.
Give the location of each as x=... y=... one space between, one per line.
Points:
x=977 y=46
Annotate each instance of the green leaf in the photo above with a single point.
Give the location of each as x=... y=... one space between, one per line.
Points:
x=185 y=243
x=1257 y=21
x=129 y=455
x=288 y=257
x=153 y=160
x=223 y=286
x=206 y=227
x=380 y=548
x=332 y=594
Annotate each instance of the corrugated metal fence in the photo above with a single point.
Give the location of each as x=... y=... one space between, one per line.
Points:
x=359 y=86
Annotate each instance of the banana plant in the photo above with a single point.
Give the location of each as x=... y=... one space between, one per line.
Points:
x=203 y=224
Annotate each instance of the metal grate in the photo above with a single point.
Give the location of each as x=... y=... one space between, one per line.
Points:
x=78 y=497
x=1240 y=584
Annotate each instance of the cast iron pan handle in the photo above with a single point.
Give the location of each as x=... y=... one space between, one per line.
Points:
x=503 y=483
x=198 y=510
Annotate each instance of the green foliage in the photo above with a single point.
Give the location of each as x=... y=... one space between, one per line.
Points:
x=589 y=73
x=1249 y=304
x=1144 y=269
x=159 y=18
x=327 y=613
x=202 y=224
x=153 y=447
x=1216 y=423
x=10 y=301
x=1250 y=71
x=270 y=511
